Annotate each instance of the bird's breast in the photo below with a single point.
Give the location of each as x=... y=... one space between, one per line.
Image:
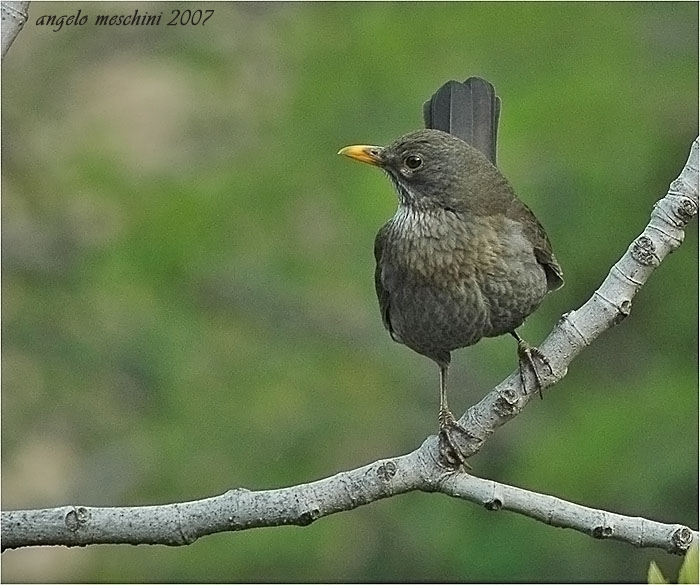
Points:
x=454 y=279
x=434 y=244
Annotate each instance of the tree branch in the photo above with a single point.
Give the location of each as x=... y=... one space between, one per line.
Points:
x=240 y=509
x=673 y=538
x=14 y=15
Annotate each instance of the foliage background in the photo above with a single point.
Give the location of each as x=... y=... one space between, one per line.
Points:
x=187 y=287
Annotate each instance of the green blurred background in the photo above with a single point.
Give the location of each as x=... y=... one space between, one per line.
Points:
x=187 y=289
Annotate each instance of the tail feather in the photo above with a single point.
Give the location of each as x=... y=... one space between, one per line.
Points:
x=469 y=111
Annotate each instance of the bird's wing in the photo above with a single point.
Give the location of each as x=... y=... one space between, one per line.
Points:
x=382 y=292
x=542 y=247
x=469 y=111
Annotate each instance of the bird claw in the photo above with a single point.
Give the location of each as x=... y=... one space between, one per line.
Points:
x=450 y=453
x=526 y=353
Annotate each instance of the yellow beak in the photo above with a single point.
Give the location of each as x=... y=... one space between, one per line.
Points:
x=364 y=153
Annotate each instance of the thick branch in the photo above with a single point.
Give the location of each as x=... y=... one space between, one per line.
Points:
x=240 y=509
x=237 y=509
x=182 y=523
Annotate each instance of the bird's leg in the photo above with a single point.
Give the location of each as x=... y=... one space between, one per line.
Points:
x=525 y=354
x=449 y=450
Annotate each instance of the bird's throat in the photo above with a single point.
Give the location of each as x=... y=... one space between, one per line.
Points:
x=402 y=192
x=414 y=222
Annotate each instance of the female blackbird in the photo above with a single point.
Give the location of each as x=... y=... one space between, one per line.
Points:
x=463 y=258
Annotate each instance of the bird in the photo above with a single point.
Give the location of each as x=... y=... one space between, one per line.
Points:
x=463 y=257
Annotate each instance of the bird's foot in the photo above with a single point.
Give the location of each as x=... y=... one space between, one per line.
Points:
x=450 y=430
x=526 y=354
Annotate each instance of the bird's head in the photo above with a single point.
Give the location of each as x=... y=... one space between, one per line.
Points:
x=430 y=168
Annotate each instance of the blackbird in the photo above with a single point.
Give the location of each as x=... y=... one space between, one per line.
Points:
x=462 y=258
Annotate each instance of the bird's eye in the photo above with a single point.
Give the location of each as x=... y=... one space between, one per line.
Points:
x=413 y=161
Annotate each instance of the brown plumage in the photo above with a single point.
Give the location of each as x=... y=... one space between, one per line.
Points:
x=463 y=258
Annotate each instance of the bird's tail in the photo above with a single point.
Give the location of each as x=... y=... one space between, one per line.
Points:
x=469 y=111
